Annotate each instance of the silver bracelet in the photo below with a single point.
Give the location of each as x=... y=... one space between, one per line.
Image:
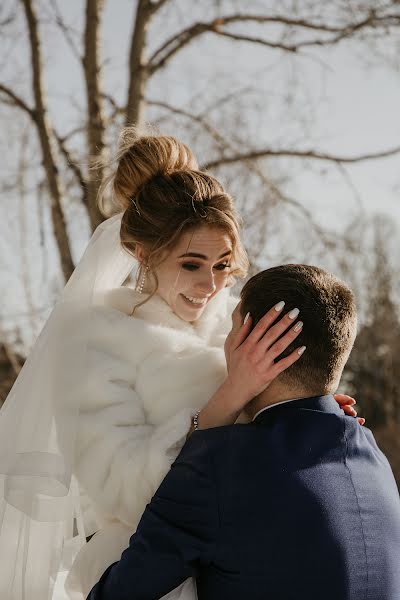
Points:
x=196 y=420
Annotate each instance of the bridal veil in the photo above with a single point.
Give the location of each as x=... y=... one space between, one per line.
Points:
x=40 y=515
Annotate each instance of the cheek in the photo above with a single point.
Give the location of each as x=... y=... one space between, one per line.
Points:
x=182 y=280
x=169 y=278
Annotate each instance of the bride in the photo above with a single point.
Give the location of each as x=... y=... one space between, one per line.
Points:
x=106 y=399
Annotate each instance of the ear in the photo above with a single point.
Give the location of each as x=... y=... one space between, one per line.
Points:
x=140 y=254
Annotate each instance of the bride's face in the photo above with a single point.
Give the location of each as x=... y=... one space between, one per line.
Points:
x=195 y=271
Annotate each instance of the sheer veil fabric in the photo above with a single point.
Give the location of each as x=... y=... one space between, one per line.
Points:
x=41 y=527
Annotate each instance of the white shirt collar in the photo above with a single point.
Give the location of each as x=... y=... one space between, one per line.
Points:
x=271 y=405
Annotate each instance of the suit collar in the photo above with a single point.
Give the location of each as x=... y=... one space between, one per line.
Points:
x=326 y=404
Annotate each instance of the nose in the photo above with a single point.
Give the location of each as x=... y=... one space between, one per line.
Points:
x=206 y=283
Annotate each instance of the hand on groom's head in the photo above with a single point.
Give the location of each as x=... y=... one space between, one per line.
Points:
x=328 y=312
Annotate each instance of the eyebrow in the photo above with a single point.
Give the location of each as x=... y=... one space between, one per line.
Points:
x=203 y=256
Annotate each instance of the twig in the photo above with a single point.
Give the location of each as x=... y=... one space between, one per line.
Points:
x=66 y=31
x=312 y=154
x=250 y=165
x=15 y=100
x=155 y=6
x=178 y=41
x=74 y=167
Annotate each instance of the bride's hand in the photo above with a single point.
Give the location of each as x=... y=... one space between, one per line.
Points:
x=346 y=403
x=250 y=357
x=251 y=354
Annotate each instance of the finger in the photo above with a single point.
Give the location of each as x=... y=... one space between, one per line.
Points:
x=275 y=332
x=283 y=343
x=343 y=399
x=243 y=332
x=349 y=410
x=286 y=362
x=265 y=322
x=361 y=420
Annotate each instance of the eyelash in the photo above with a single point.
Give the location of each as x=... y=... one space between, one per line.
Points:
x=194 y=267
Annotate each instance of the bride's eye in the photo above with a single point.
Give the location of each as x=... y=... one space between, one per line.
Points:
x=190 y=266
x=222 y=266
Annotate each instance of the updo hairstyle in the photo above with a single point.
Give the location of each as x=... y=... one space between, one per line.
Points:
x=163 y=195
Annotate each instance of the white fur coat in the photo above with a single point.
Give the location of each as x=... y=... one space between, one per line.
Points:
x=147 y=376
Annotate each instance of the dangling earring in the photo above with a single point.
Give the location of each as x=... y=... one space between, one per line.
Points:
x=140 y=285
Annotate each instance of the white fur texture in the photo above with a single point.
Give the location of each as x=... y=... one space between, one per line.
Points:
x=147 y=375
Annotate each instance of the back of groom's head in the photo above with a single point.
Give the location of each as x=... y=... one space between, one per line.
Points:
x=328 y=311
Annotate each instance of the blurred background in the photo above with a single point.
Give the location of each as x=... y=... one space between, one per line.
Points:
x=294 y=105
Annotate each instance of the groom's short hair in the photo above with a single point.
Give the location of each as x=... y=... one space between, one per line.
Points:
x=328 y=311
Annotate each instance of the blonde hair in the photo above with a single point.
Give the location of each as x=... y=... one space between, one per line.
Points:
x=163 y=195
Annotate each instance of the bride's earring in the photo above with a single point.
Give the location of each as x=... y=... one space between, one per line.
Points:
x=140 y=285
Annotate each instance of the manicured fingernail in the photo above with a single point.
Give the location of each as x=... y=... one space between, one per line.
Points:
x=279 y=306
x=298 y=326
x=294 y=313
x=301 y=350
x=246 y=318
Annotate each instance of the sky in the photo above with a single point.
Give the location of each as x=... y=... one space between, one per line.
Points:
x=360 y=115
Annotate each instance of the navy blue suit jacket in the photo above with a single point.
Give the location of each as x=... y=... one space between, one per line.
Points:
x=299 y=505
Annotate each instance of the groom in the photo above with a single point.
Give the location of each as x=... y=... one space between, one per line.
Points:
x=299 y=504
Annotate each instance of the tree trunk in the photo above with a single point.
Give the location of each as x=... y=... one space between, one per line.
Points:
x=95 y=117
x=47 y=143
x=138 y=69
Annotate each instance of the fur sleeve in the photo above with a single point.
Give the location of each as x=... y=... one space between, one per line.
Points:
x=120 y=457
x=122 y=460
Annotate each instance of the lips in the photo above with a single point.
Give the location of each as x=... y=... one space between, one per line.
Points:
x=194 y=302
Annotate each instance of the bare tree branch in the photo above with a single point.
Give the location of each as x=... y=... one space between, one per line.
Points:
x=218 y=137
x=15 y=100
x=312 y=154
x=350 y=184
x=174 y=44
x=155 y=6
x=273 y=190
x=66 y=31
x=73 y=132
x=10 y=18
x=73 y=165
x=178 y=41
x=116 y=109
x=261 y=41
x=186 y=35
x=22 y=165
x=46 y=142
x=327 y=238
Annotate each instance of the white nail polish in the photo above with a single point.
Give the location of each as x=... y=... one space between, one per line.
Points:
x=279 y=306
x=246 y=317
x=301 y=350
x=294 y=313
x=298 y=326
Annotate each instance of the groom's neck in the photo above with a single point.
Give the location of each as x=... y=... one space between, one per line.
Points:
x=277 y=392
